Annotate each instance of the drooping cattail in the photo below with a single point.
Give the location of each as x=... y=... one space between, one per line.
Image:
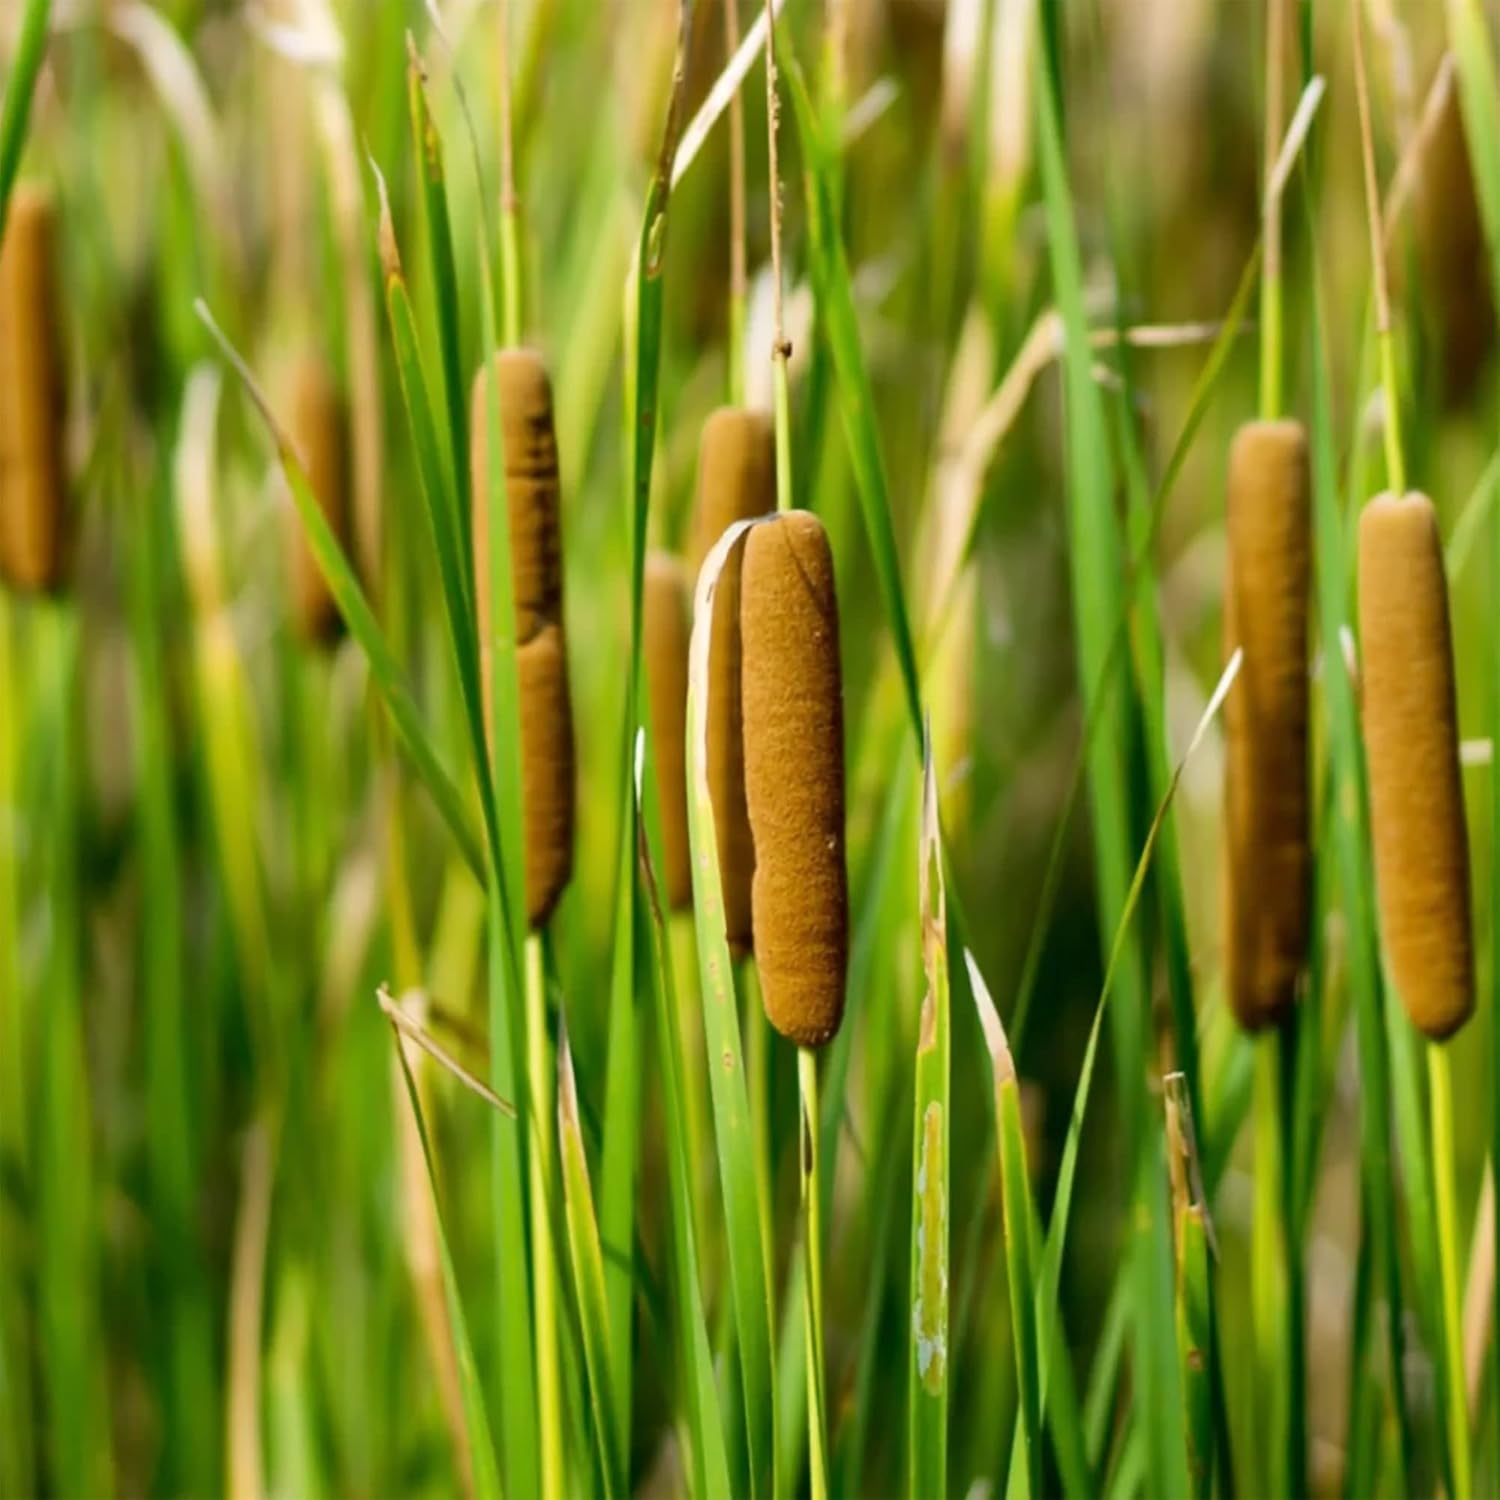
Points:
x=317 y=430
x=668 y=612
x=736 y=480
x=533 y=500
x=33 y=478
x=792 y=691
x=1266 y=775
x=1450 y=241
x=1411 y=740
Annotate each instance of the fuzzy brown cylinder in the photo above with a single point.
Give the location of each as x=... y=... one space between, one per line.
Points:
x=792 y=692
x=33 y=478
x=736 y=481
x=533 y=503
x=317 y=430
x=668 y=626
x=1411 y=741
x=1266 y=601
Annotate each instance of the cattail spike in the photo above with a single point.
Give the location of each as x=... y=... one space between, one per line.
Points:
x=1266 y=777
x=668 y=610
x=794 y=774
x=1411 y=739
x=533 y=502
x=33 y=477
x=736 y=481
x=317 y=431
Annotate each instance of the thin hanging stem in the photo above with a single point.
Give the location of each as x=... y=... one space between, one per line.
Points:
x=1270 y=275
x=510 y=203
x=1395 y=462
x=781 y=350
x=737 y=274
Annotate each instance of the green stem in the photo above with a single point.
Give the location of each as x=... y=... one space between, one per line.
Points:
x=1265 y=1294
x=1292 y=1292
x=812 y=1248
x=1395 y=461
x=784 y=499
x=1440 y=1100
x=541 y=1171
x=17 y=1420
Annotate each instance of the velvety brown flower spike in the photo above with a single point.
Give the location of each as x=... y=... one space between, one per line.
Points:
x=33 y=478
x=1268 y=862
x=792 y=690
x=736 y=482
x=533 y=498
x=1411 y=741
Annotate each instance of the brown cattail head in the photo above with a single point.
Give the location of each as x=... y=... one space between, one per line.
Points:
x=1411 y=740
x=736 y=480
x=1266 y=775
x=33 y=478
x=792 y=692
x=317 y=431
x=533 y=500
x=668 y=611
x=1450 y=243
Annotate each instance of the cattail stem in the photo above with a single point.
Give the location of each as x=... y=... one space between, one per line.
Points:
x=1395 y=462
x=1295 y=1361
x=780 y=349
x=1270 y=275
x=1440 y=1103
x=1265 y=1292
x=542 y=1173
x=812 y=1249
x=735 y=344
x=510 y=206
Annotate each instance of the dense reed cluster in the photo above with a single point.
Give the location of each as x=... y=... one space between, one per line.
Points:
x=713 y=777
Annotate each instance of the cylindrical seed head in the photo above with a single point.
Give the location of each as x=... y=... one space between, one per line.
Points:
x=1267 y=862
x=33 y=478
x=668 y=609
x=533 y=503
x=794 y=774
x=736 y=481
x=317 y=430
x=1411 y=740
x=547 y=773
x=533 y=494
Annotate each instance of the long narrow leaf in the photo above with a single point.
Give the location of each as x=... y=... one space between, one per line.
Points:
x=26 y=64
x=927 y=1362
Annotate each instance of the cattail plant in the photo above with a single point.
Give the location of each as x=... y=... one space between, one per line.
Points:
x=792 y=695
x=1266 y=776
x=317 y=429
x=533 y=498
x=736 y=480
x=1451 y=251
x=1411 y=739
x=668 y=608
x=33 y=480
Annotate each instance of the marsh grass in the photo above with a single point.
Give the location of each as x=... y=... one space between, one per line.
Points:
x=694 y=1259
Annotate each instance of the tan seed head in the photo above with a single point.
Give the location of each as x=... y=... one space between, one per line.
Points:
x=736 y=481
x=1411 y=740
x=533 y=500
x=792 y=690
x=317 y=430
x=1267 y=862
x=33 y=479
